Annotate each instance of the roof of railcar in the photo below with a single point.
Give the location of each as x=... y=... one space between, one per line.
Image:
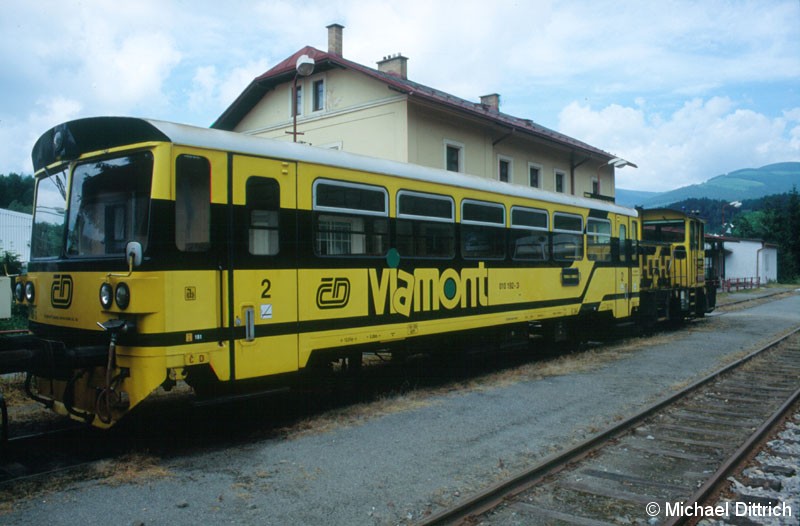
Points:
x=667 y=213
x=252 y=145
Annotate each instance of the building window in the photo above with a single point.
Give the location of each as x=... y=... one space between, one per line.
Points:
x=595 y=186
x=534 y=175
x=561 y=182
x=296 y=106
x=453 y=156
x=318 y=93
x=504 y=168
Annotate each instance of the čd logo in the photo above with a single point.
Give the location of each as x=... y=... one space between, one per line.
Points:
x=333 y=293
x=61 y=291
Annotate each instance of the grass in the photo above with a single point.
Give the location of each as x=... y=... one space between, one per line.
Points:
x=13 y=388
x=133 y=468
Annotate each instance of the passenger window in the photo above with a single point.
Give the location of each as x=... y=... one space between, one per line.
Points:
x=598 y=239
x=482 y=230
x=567 y=237
x=529 y=238
x=263 y=209
x=425 y=225
x=192 y=204
x=350 y=219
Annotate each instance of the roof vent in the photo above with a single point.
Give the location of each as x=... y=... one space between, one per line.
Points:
x=396 y=65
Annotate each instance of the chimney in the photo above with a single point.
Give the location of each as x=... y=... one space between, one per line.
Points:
x=396 y=65
x=491 y=102
x=335 y=39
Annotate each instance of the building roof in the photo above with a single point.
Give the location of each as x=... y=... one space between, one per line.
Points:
x=285 y=71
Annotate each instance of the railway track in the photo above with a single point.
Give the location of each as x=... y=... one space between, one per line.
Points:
x=653 y=467
x=63 y=450
x=47 y=452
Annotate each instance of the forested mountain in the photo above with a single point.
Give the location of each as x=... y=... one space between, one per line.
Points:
x=774 y=219
x=748 y=183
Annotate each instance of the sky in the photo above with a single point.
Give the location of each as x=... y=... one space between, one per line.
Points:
x=687 y=90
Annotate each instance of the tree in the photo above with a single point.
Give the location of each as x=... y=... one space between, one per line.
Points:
x=16 y=192
x=777 y=222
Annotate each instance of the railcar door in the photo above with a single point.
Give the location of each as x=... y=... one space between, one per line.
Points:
x=263 y=281
x=624 y=266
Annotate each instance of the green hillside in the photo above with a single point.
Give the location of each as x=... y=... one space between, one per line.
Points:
x=748 y=183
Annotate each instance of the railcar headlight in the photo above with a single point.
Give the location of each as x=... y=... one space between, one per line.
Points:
x=106 y=295
x=30 y=291
x=19 y=292
x=122 y=296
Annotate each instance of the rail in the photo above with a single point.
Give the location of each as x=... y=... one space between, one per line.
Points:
x=489 y=499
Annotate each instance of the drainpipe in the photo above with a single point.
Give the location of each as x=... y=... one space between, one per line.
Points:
x=758 y=262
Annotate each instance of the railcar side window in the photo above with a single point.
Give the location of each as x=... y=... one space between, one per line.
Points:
x=192 y=203
x=567 y=237
x=529 y=238
x=425 y=225
x=598 y=239
x=350 y=219
x=482 y=230
x=263 y=209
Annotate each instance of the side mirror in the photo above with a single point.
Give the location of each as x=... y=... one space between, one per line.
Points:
x=133 y=251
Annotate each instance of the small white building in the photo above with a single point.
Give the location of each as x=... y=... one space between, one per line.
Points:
x=15 y=233
x=750 y=258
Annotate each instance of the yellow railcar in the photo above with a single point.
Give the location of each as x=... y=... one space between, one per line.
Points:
x=164 y=253
x=673 y=267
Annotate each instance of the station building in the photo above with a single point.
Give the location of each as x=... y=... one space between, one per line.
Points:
x=380 y=112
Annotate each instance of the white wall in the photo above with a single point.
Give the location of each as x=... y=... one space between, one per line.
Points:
x=15 y=233
x=747 y=258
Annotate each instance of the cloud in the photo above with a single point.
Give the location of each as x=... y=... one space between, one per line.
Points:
x=18 y=137
x=702 y=139
x=628 y=77
x=122 y=72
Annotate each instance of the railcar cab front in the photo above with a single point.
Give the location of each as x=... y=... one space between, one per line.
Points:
x=117 y=206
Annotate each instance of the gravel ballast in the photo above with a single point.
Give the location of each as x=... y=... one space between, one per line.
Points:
x=396 y=468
